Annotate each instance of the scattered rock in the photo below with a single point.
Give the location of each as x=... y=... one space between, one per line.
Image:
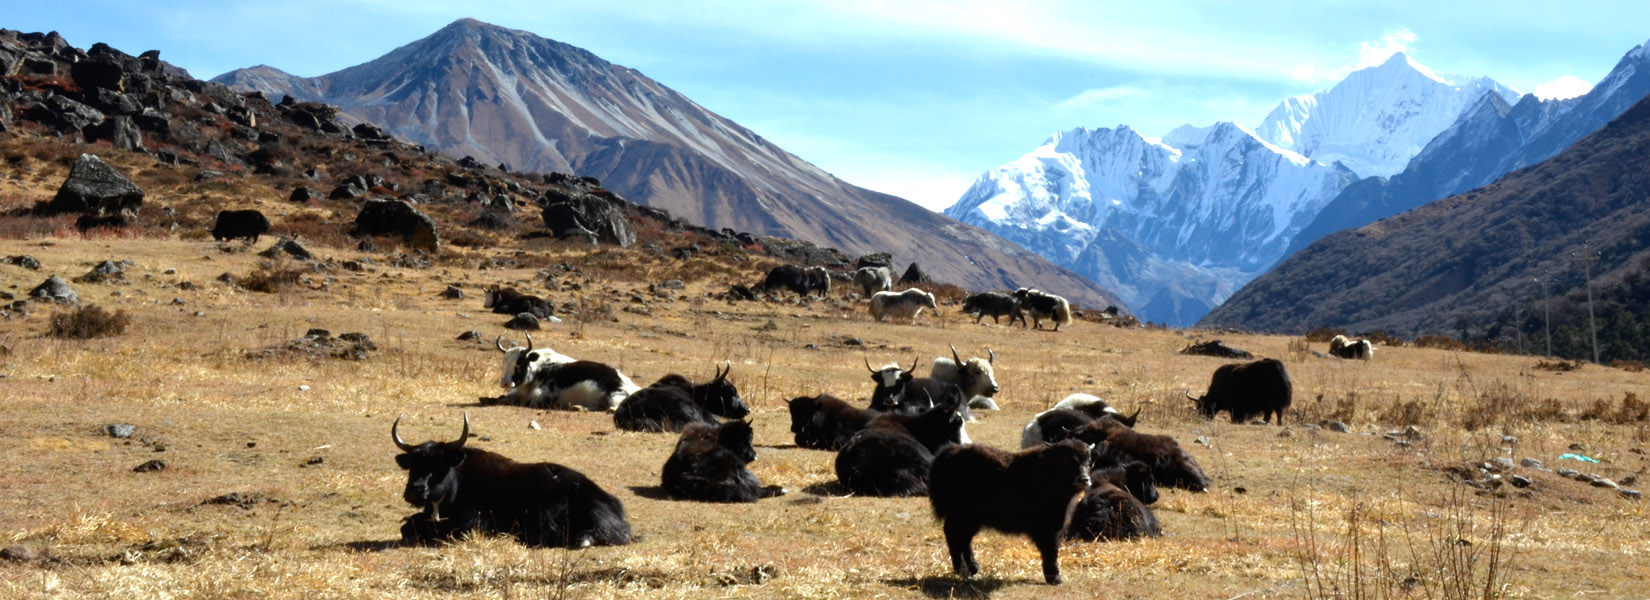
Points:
x=313 y=461
x=1336 y=426
x=913 y=274
x=469 y=336
x=289 y=248
x=18 y=553
x=150 y=467
x=453 y=293
x=304 y=194
x=397 y=217
x=1509 y=440
x=672 y=284
x=94 y=187
x=1530 y=463
x=245 y=501
x=1571 y=473
x=54 y=289
x=1520 y=481
x=1604 y=482
x=533 y=425
x=1501 y=463
x=318 y=343
x=104 y=271
x=1202 y=439
x=1286 y=433
x=1578 y=447
x=119 y=430
x=1631 y=494
x=853 y=341
x=587 y=216
x=25 y=261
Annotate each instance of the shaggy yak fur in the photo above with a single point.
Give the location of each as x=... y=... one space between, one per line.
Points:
x=1033 y=492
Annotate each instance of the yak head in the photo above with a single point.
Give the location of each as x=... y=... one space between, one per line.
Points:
x=1066 y=461
x=975 y=375
x=891 y=381
x=1134 y=476
x=736 y=437
x=517 y=361
x=432 y=469
x=803 y=409
x=1206 y=406
x=720 y=397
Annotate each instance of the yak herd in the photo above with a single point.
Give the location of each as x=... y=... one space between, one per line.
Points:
x=1083 y=471
x=875 y=283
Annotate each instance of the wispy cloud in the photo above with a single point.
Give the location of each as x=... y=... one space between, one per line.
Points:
x=1376 y=52
x=1566 y=86
x=1099 y=96
x=1368 y=54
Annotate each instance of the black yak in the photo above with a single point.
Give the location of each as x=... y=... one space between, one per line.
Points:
x=996 y=305
x=462 y=490
x=509 y=301
x=825 y=422
x=1116 y=443
x=673 y=402
x=233 y=224
x=1033 y=492
x=891 y=456
x=1114 y=508
x=1247 y=390
x=709 y=465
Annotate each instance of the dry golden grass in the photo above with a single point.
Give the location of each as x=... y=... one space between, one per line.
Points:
x=1293 y=515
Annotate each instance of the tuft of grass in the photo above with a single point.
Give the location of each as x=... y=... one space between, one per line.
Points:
x=89 y=322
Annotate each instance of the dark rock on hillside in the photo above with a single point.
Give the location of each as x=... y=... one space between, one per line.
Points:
x=913 y=274
x=121 y=131
x=104 y=271
x=289 y=248
x=397 y=217
x=304 y=194
x=94 y=187
x=23 y=260
x=589 y=216
x=878 y=259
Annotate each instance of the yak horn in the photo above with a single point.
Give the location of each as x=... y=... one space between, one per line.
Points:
x=529 y=341
x=1189 y=397
x=991 y=356
x=499 y=342
x=913 y=368
x=868 y=366
x=466 y=435
x=395 y=434
x=954 y=356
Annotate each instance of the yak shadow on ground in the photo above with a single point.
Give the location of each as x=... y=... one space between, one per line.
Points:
x=827 y=488
x=950 y=586
x=365 y=546
x=652 y=492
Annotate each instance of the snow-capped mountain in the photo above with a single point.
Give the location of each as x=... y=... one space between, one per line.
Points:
x=1175 y=225
x=1378 y=118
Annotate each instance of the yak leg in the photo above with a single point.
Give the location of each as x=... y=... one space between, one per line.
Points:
x=1049 y=546
x=959 y=538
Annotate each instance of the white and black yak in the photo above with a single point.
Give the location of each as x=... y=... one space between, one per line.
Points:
x=994 y=304
x=462 y=490
x=975 y=377
x=904 y=305
x=1068 y=416
x=891 y=456
x=1033 y=492
x=544 y=379
x=673 y=402
x=708 y=465
x=803 y=281
x=1345 y=347
x=1043 y=305
x=873 y=279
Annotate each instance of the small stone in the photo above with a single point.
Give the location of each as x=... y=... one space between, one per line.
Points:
x=119 y=430
x=200 y=313
x=18 y=553
x=672 y=284
x=314 y=460
x=1602 y=482
x=533 y=425
x=1337 y=426
x=303 y=387
x=1202 y=439
x=853 y=341
x=1286 y=433
x=178 y=301
x=1530 y=463
x=1632 y=494
x=1414 y=433
x=1578 y=447
x=1570 y=473
x=469 y=336
x=453 y=293
x=150 y=467
x=317 y=332
x=1502 y=463
x=1520 y=481
x=1509 y=439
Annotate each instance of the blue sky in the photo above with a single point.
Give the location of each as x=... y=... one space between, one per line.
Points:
x=915 y=97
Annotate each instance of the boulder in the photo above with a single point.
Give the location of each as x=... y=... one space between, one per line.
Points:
x=523 y=322
x=304 y=194
x=104 y=271
x=94 y=187
x=914 y=274
x=121 y=131
x=589 y=216
x=879 y=259
x=289 y=248
x=23 y=260
x=54 y=289
x=397 y=217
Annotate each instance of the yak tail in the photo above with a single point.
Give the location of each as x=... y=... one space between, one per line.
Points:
x=1062 y=312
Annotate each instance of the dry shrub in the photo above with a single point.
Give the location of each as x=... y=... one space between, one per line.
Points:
x=1322 y=334
x=314 y=227
x=271 y=278
x=89 y=322
x=28 y=227
x=1630 y=366
x=467 y=239
x=1299 y=349
x=1381 y=337
x=1405 y=413
x=1506 y=403
x=1630 y=410
x=1558 y=365
x=1440 y=342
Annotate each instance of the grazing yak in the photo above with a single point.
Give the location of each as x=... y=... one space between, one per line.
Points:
x=1116 y=443
x=673 y=402
x=1068 y=416
x=891 y=456
x=708 y=465
x=1114 y=508
x=1247 y=390
x=974 y=377
x=825 y=422
x=1033 y=492
x=996 y=305
x=508 y=301
x=1345 y=347
x=802 y=280
x=1044 y=306
x=904 y=305
x=461 y=490
x=248 y=224
x=873 y=279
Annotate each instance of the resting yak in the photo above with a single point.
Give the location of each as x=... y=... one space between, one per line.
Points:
x=461 y=490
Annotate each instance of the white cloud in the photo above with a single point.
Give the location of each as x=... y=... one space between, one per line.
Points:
x=1566 y=86
x=1098 y=96
x=1376 y=52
